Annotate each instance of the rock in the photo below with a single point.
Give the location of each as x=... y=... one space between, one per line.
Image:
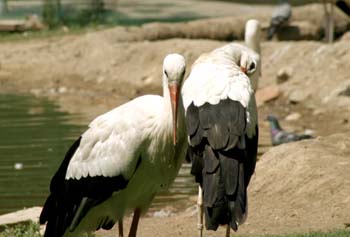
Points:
x=36 y=91
x=267 y=94
x=345 y=36
x=319 y=111
x=65 y=29
x=345 y=92
x=163 y=213
x=22 y=216
x=100 y=79
x=309 y=132
x=18 y=166
x=284 y=74
x=33 y=23
x=297 y=96
x=293 y=117
x=148 y=80
x=62 y=90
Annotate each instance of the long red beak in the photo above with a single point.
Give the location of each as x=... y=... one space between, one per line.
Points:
x=174 y=98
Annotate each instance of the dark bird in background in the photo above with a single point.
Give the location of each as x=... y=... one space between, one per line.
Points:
x=279 y=136
x=344 y=5
x=280 y=17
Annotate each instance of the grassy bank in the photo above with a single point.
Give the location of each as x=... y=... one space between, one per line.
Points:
x=33 y=230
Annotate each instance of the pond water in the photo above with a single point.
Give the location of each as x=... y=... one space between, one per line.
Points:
x=34 y=136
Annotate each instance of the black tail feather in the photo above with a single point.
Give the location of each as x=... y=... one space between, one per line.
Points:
x=224 y=189
x=56 y=216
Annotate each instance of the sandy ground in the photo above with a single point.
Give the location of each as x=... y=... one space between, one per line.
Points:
x=297 y=187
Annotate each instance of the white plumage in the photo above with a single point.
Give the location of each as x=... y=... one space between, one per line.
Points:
x=138 y=146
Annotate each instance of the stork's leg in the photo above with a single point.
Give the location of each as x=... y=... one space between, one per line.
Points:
x=135 y=222
x=120 y=228
x=228 y=230
x=200 y=212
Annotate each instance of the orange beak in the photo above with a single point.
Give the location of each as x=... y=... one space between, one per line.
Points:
x=243 y=69
x=174 y=98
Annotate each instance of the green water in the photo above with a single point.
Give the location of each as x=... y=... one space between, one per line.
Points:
x=34 y=134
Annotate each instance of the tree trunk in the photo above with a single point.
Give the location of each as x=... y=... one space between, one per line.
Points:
x=52 y=12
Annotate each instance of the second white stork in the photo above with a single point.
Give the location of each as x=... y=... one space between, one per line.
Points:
x=120 y=163
x=221 y=119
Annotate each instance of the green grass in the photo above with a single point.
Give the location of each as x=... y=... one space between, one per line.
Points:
x=22 y=230
x=335 y=233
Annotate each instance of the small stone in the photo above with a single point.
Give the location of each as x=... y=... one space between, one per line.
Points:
x=65 y=29
x=100 y=79
x=62 y=90
x=148 y=80
x=18 y=166
x=163 y=213
x=36 y=91
x=345 y=36
x=284 y=74
x=267 y=94
x=293 y=117
x=52 y=91
x=309 y=132
x=297 y=96
x=318 y=112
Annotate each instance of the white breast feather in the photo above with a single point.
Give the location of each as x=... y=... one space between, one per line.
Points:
x=114 y=140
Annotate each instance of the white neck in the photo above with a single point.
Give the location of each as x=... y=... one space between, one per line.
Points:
x=252 y=42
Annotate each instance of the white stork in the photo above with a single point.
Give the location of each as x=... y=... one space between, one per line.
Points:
x=125 y=157
x=222 y=127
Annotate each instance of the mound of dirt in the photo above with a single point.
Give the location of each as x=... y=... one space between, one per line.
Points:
x=302 y=186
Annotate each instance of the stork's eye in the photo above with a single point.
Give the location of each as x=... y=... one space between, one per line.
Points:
x=166 y=73
x=252 y=66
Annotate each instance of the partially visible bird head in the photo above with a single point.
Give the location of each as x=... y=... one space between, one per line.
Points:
x=174 y=67
x=274 y=124
x=247 y=64
x=271 y=118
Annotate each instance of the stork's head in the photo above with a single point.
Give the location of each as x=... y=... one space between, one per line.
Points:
x=247 y=63
x=174 y=68
x=249 y=66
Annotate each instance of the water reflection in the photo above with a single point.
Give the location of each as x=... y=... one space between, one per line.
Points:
x=33 y=140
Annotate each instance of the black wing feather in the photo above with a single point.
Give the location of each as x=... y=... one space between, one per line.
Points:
x=223 y=159
x=70 y=200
